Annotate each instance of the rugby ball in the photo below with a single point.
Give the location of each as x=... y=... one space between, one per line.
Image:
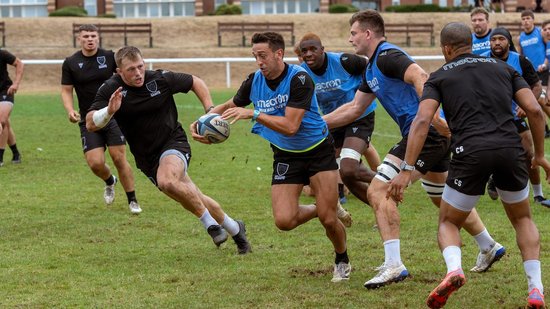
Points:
x=213 y=127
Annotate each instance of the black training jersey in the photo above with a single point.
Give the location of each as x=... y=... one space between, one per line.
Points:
x=477 y=108
x=148 y=116
x=86 y=74
x=353 y=64
x=5 y=59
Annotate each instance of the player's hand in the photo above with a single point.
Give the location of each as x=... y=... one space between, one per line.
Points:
x=74 y=116
x=520 y=112
x=195 y=134
x=442 y=127
x=542 y=162
x=237 y=113
x=12 y=90
x=115 y=101
x=398 y=185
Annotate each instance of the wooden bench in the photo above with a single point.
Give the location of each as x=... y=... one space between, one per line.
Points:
x=3 y=30
x=124 y=29
x=514 y=27
x=245 y=28
x=411 y=29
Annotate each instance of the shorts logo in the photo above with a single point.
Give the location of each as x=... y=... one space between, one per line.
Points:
x=80 y=65
x=4 y=97
x=354 y=129
x=101 y=61
x=153 y=88
x=282 y=169
x=122 y=138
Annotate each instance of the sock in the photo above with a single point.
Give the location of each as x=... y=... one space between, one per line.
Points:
x=392 y=253
x=131 y=196
x=14 y=149
x=341 y=257
x=453 y=258
x=2 y=154
x=207 y=220
x=546 y=128
x=340 y=190
x=230 y=225
x=532 y=270
x=537 y=190
x=484 y=241
x=110 y=181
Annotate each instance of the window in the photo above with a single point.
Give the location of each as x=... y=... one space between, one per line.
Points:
x=366 y=4
x=260 y=7
x=23 y=8
x=153 y=8
x=91 y=7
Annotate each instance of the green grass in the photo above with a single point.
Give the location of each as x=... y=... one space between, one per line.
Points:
x=60 y=246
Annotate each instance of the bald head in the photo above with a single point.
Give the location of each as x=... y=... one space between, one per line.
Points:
x=456 y=35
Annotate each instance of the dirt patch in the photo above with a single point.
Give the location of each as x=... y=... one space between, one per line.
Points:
x=190 y=37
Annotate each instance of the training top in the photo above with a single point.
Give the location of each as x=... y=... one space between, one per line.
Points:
x=547 y=50
x=86 y=74
x=5 y=59
x=524 y=67
x=147 y=116
x=533 y=47
x=477 y=108
x=337 y=80
x=293 y=88
x=482 y=44
x=384 y=77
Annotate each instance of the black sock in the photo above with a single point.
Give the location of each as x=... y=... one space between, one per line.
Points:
x=342 y=257
x=14 y=149
x=1 y=154
x=131 y=196
x=341 y=190
x=110 y=181
x=546 y=127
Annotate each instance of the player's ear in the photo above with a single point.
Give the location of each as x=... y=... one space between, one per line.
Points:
x=118 y=71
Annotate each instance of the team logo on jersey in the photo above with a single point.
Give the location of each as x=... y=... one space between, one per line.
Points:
x=102 y=62
x=344 y=58
x=80 y=65
x=153 y=88
x=124 y=92
x=4 y=97
x=302 y=79
x=282 y=169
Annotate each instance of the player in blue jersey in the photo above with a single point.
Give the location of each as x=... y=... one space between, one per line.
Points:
x=482 y=31
x=286 y=114
x=337 y=76
x=502 y=48
x=485 y=141
x=397 y=81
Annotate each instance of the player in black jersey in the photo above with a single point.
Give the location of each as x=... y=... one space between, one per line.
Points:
x=8 y=88
x=485 y=142
x=85 y=71
x=142 y=103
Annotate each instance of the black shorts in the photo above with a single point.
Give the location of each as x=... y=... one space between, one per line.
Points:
x=149 y=166
x=521 y=125
x=361 y=128
x=298 y=167
x=435 y=154
x=5 y=97
x=470 y=172
x=110 y=135
x=543 y=77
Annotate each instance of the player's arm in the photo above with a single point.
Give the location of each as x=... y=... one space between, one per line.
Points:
x=349 y=112
x=203 y=94
x=18 y=64
x=416 y=138
x=68 y=103
x=416 y=76
x=98 y=118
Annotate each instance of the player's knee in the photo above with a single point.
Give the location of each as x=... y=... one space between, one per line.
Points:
x=285 y=223
x=329 y=222
x=96 y=164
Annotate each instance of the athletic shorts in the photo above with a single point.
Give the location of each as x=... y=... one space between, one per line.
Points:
x=5 y=97
x=149 y=166
x=521 y=125
x=361 y=128
x=435 y=154
x=543 y=77
x=297 y=168
x=110 y=135
x=469 y=172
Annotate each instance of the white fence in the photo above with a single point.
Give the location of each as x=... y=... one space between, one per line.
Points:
x=227 y=61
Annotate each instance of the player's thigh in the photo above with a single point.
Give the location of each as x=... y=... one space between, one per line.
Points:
x=5 y=111
x=326 y=184
x=117 y=153
x=172 y=168
x=95 y=157
x=285 y=200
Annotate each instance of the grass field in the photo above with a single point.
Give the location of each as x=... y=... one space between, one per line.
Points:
x=62 y=247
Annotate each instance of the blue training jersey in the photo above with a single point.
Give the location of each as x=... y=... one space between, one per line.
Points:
x=481 y=45
x=398 y=98
x=533 y=47
x=547 y=54
x=313 y=129
x=336 y=86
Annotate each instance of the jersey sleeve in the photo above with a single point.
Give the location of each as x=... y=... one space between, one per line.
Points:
x=66 y=76
x=431 y=89
x=393 y=63
x=528 y=71
x=7 y=56
x=353 y=64
x=302 y=90
x=364 y=87
x=242 y=97
x=178 y=82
